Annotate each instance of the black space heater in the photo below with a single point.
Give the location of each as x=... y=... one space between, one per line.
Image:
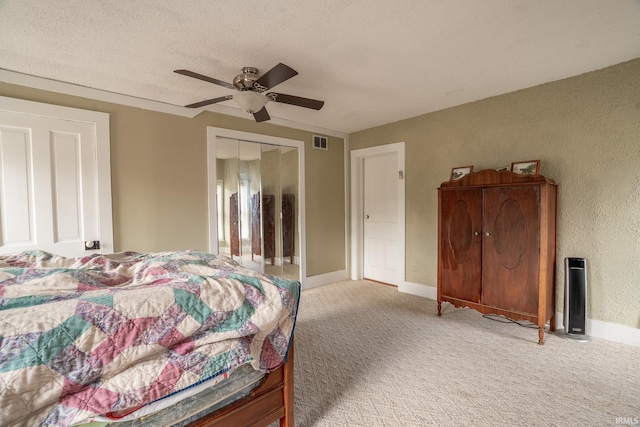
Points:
x=575 y=298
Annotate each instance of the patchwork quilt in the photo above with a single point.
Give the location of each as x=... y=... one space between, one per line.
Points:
x=106 y=334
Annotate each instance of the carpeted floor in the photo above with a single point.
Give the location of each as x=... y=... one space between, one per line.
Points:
x=367 y=355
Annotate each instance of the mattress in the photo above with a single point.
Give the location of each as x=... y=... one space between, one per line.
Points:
x=185 y=407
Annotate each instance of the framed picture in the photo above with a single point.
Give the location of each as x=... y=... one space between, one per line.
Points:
x=529 y=167
x=459 y=172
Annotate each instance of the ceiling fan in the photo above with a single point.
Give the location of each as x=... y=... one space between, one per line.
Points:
x=250 y=89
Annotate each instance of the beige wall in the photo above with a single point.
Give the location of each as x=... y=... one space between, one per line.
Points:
x=159 y=178
x=586 y=132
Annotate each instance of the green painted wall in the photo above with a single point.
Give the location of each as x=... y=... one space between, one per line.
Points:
x=586 y=132
x=159 y=178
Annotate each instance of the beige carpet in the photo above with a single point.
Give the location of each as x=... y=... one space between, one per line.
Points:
x=367 y=355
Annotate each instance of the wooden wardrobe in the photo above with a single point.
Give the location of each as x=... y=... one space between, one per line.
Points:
x=497 y=245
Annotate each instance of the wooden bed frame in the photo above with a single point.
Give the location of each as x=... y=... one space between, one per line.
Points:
x=270 y=401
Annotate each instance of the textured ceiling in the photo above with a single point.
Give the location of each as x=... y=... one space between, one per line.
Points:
x=371 y=61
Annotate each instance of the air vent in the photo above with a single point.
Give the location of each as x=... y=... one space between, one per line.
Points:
x=320 y=142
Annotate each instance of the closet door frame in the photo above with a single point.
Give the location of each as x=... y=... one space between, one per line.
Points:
x=213 y=133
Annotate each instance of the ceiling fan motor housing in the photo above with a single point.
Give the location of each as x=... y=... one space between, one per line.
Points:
x=245 y=80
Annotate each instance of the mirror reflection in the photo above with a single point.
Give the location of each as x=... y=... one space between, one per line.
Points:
x=226 y=196
x=288 y=206
x=257 y=196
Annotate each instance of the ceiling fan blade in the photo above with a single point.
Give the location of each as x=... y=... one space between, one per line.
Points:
x=205 y=78
x=274 y=76
x=295 y=100
x=209 y=101
x=262 y=115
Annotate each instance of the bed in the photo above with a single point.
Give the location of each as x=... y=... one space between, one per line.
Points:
x=139 y=339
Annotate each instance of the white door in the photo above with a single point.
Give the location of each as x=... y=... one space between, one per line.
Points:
x=382 y=225
x=50 y=186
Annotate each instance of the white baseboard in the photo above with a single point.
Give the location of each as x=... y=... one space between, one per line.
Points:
x=607 y=331
x=595 y=328
x=324 y=279
x=419 y=290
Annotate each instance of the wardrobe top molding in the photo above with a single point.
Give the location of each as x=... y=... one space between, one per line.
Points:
x=493 y=177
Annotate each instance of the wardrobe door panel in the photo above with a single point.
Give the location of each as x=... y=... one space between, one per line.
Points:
x=511 y=244
x=460 y=244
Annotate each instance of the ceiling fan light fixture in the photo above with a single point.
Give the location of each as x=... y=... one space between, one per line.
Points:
x=250 y=101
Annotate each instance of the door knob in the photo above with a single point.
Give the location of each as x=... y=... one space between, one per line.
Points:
x=488 y=234
x=91 y=245
x=367 y=216
x=477 y=233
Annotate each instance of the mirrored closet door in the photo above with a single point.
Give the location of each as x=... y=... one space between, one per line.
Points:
x=257 y=205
